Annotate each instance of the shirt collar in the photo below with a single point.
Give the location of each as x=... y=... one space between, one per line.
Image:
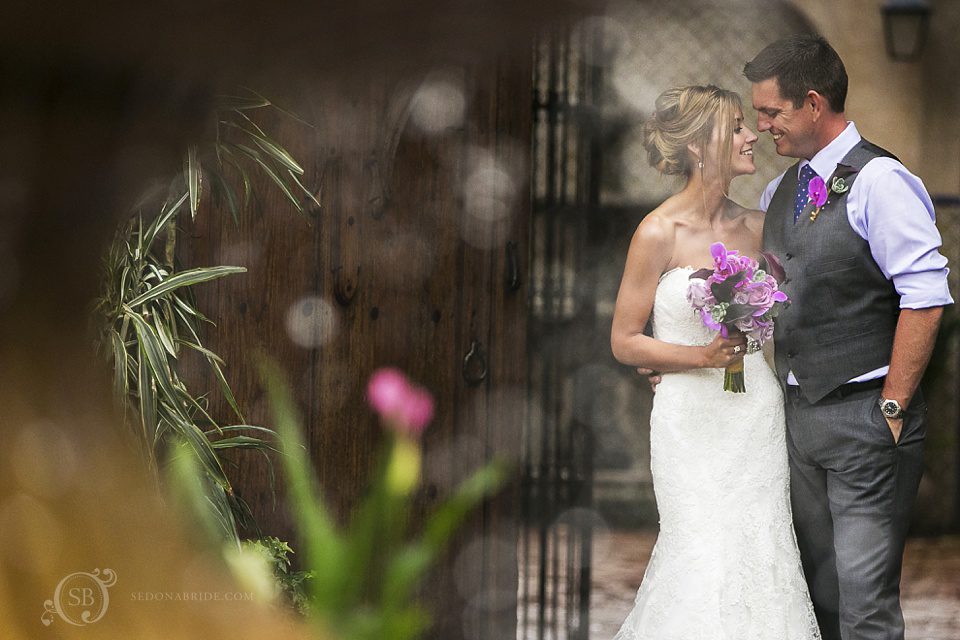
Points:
x=827 y=159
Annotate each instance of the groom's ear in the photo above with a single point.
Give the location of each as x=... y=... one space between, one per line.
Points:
x=817 y=104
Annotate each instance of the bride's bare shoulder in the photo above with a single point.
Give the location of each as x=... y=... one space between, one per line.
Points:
x=657 y=227
x=654 y=237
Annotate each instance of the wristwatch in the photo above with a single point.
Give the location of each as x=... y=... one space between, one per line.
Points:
x=890 y=408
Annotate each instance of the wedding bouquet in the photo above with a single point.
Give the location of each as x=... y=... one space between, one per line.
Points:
x=738 y=294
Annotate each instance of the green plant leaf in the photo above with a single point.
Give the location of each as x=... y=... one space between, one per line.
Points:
x=241 y=103
x=323 y=546
x=163 y=333
x=243 y=427
x=286 y=112
x=120 y=388
x=167 y=213
x=152 y=352
x=305 y=190
x=185 y=307
x=231 y=159
x=201 y=495
x=225 y=388
x=201 y=446
x=404 y=571
x=267 y=145
x=187 y=401
x=441 y=525
x=193 y=180
x=227 y=191
x=185 y=279
x=272 y=174
x=201 y=349
x=148 y=405
x=243 y=442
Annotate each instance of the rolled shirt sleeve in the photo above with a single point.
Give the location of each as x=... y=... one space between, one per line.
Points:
x=890 y=208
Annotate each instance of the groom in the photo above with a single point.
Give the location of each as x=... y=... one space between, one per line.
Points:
x=868 y=286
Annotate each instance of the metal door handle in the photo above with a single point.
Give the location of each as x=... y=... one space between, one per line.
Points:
x=474 y=364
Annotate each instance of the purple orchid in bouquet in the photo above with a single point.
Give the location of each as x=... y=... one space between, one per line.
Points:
x=738 y=294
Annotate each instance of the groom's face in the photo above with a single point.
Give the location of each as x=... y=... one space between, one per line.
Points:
x=792 y=129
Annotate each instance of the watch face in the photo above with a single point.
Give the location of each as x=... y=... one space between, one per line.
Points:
x=890 y=408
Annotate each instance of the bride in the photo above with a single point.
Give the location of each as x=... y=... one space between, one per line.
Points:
x=725 y=565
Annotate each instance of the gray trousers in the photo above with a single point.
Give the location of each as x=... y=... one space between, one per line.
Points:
x=852 y=489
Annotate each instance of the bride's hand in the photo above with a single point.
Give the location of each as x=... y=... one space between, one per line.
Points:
x=723 y=352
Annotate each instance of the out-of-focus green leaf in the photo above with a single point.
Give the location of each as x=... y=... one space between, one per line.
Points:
x=404 y=571
x=442 y=524
x=324 y=548
x=204 y=499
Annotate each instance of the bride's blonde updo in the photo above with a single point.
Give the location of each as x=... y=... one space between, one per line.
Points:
x=688 y=115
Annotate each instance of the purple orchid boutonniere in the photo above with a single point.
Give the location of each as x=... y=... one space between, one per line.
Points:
x=819 y=194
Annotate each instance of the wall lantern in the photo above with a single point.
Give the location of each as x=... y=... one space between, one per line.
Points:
x=905 y=25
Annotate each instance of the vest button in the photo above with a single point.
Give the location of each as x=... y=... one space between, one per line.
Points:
x=791 y=353
x=788 y=256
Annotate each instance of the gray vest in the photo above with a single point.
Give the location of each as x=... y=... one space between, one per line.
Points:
x=843 y=311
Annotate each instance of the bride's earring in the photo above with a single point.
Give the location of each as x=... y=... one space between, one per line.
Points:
x=700 y=164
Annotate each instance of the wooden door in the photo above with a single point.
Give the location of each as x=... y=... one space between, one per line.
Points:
x=415 y=259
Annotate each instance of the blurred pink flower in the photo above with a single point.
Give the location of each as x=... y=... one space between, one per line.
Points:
x=404 y=407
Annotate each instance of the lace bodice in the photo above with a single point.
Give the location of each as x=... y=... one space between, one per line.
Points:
x=674 y=320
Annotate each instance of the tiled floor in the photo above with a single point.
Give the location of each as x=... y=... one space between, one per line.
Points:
x=931 y=583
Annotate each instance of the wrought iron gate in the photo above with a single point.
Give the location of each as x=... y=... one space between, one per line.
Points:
x=555 y=539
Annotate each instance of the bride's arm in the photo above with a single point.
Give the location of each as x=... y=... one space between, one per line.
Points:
x=649 y=255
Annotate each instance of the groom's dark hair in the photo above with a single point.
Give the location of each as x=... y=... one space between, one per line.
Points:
x=802 y=63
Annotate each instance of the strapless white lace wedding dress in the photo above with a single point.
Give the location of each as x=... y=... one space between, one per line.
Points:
x=725 y=565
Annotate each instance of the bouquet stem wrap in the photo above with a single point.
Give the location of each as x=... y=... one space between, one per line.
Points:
x=733 y=378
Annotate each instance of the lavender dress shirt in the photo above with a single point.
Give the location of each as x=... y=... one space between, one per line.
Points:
x=889 y=208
